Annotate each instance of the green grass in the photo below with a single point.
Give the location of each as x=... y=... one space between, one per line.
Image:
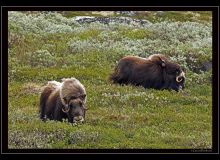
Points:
x=120 y=117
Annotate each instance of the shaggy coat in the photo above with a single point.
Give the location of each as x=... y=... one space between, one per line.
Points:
x=155 y=72
x=63 y=100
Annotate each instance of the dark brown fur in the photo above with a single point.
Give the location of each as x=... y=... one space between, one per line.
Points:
x=155 y=72
x=57 y=95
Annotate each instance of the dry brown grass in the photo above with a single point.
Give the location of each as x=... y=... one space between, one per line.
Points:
x=32 y=88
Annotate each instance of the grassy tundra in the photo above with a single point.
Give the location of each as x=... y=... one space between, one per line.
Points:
x=50 y=46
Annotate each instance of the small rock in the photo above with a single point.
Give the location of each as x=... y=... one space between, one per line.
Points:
x=160 y=14
x=107 y=20
x=82 y=17
x=129 y=13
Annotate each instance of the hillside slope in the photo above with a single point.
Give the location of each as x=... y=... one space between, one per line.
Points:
x=49 y=46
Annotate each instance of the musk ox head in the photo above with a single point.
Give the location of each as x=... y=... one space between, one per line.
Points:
x=178 y=80
x=154 y=72
x=73 y=97
x=174 y=76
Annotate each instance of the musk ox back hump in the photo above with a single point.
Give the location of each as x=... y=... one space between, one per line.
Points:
x=155 y=72
x=71 y=87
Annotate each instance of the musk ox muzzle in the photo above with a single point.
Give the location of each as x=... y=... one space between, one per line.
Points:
x=78 y=119
x=154 y=72
x=75 y=108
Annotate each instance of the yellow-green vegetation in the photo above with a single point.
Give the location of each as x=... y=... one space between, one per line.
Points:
x=48 y=46
x=174 y=16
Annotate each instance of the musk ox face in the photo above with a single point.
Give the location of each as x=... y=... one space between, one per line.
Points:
x=73 y=96
x=63 y=100
x=179 y=80
x=155 y=72
x=75 y=108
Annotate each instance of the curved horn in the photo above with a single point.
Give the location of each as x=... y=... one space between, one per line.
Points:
x=180 y=79
x=85 y=108
x=68 y=108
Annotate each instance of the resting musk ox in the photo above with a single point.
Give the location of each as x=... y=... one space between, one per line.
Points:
x=155 y=72
x=63 y=100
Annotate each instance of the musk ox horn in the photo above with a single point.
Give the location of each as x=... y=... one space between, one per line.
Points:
x=177 y=79
x=181 y=75
x=68 y=108
x=86 y=108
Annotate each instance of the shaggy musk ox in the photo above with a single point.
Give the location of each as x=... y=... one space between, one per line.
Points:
x=155 y=72
x=63 y=100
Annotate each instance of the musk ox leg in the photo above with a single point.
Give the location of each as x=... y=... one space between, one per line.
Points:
x=167 y=86
x=170 y=86
x=43 y=100
x=46 y=115
x=41 y=112
x=58 y=113
x=116 y=78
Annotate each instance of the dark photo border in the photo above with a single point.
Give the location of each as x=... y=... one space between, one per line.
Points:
x=4 y=79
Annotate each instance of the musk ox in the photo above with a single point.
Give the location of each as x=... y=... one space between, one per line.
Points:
x=155 y=72
x=63 y=100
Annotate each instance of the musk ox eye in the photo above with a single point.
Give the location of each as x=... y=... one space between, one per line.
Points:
x=65 y=99
x=83 y=96
x=177 y=72
x=73 y=97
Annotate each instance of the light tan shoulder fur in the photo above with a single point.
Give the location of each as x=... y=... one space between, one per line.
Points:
x=71 y=87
